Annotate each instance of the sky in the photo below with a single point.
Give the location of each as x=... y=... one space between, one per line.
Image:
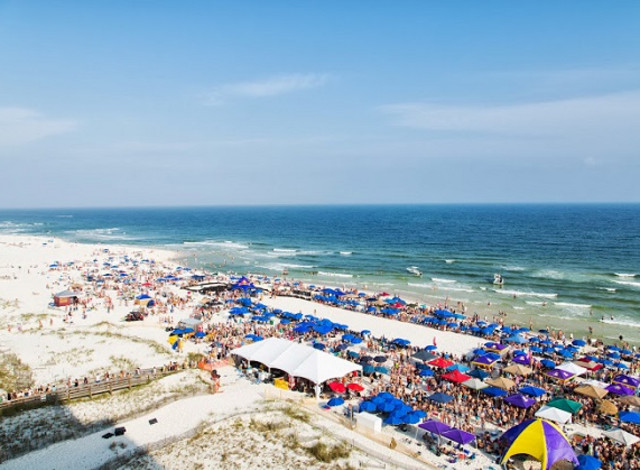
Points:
x=168 y=103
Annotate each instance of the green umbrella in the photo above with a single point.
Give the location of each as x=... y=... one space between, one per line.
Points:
x=565 y=404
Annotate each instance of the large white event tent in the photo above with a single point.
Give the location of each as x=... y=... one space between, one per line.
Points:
x=297 y=359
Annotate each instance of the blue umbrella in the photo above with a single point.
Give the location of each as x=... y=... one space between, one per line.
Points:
x=426 y=373
x=368 y=406
x=629 y=417
x=386 y=407
x=393 y=421
x=494 y=391
x=368 y=369
x=385 y=395
x=586 y=462
x=411 y=418
x=479 y=374
x=549 y=364
x=382 y=370
x=440 y=397
x=532 y=391
x=200 y=334
x=335 y=401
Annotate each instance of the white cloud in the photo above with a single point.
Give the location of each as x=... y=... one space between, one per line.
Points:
x=21 y=125
x=543 y=118
x=273 y=86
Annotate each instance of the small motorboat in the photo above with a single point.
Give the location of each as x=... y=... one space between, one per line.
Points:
x=414 y=270
x=498 y=280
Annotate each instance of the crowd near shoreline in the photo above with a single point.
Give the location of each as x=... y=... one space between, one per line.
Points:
x=447 y=347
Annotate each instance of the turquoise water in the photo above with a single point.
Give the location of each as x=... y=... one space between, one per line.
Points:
x=563 y=265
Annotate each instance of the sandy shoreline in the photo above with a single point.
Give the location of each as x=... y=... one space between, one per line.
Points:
x=58 y=346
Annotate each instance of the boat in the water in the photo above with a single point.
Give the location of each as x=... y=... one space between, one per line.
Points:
x=498 y=280
x=414 y=270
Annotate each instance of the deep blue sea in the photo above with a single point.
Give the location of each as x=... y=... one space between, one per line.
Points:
x=562 y=264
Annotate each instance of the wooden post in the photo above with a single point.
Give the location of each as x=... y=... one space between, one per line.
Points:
x=129 y=382
x=90 y=395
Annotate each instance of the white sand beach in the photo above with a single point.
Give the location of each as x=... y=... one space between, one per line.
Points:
x=57 y=346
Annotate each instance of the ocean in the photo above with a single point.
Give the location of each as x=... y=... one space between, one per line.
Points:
x=564 y=266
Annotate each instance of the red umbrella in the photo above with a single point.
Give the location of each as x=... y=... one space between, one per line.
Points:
x=441 y=362
x=456 y=376
x=337 y=387
x=355 y=387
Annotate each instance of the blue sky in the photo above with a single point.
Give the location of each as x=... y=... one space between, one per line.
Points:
x=203 y=102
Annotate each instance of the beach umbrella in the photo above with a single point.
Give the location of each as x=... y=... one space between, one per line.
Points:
x=424 y=355
x=553 y=414
x=572 y=368
x=532 y=391
x=523 y=360
x=441 y=362
x=335 y=401
x=200 y=334
x=393 y=420
x=630 y=400
x=385 y=396
x=368 y=406
x=502 y=382
x=355 y=387
x=461 y=437
x=559 y=374
x=622 y=437
x=548 y=363
x=382 y=370
x=319 y=346
x=629 y=417
x=337 y=387
x=591 y=391
x=475 y=384
x=380 y=359
x=367 y=369
x=579 y=342
x=411 y=418
x=426 y=373
x=479 y=374
x=618 y=389
x=565 y=404
x=517 y=369
x=494 y=391
x=419 y=413
x=627 y=381
x=520 y=401
x=434 y=426
x=607 y=407
x=540 y=439
x=586 y=462
x=456 y=376
x=458 y=367
x=440 y=397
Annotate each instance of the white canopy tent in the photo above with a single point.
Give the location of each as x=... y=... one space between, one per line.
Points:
x=554 y=414
x=572 y=368
x=297 y=360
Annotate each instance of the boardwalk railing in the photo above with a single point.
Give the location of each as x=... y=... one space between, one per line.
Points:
x=85 y=390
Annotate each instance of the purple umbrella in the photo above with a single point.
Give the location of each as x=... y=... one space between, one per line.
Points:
x=520 y=401
x=560 y=374
x=523 y=360
x=627 y=381
x=461 y=437
x=618 y=389
x=434 y=426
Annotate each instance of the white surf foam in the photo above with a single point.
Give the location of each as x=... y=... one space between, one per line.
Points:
x=329 y=274
x=513 y=268
x=449 y=261
x=443 y=281
x=518 y=293
x=628 y=283
x=625 y=274
x=570 y=305
x=346 y=253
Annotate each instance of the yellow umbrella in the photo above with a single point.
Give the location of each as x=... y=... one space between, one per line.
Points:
x=173 y=339
x=591 y=391
x=518 y=369
x=607 y=407
x=502 y=382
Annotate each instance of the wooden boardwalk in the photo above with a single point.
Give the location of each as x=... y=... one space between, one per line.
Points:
x=85 y=391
